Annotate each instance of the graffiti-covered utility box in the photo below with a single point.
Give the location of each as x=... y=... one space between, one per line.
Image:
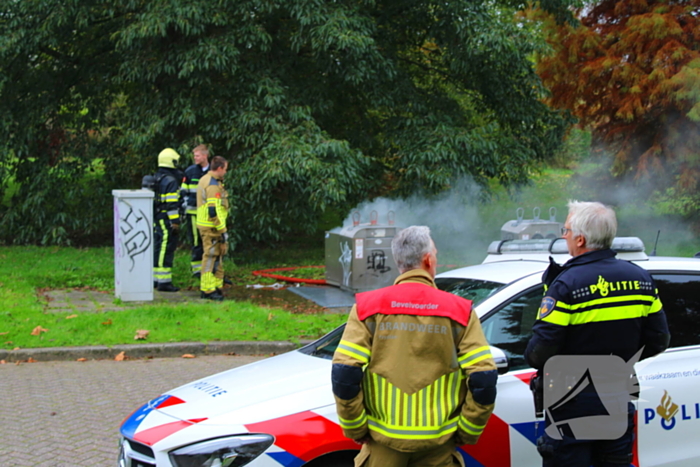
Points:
x=133 y=244
x=359 y=258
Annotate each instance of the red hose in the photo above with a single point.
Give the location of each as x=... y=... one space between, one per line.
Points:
x=266 y=273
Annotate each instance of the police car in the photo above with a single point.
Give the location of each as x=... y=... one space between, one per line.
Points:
x=281 y=411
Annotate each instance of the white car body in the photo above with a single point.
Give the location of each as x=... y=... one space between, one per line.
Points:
x=290 y=397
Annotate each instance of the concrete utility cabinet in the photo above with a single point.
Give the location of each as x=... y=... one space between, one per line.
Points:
x=359 y=258
x=133 y=244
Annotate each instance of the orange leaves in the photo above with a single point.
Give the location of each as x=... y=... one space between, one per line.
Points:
x=141 y=334
x=120 y=357
x=38 y=330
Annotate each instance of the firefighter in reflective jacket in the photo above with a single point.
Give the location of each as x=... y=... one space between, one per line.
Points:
x=413 y=376
x=193 y=174
x=594 y=305
x=166 y=224
x=212 y=211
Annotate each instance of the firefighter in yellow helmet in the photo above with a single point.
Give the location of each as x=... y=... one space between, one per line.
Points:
x=166 y=219
x=212 y=212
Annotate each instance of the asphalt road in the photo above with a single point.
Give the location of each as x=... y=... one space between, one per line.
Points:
x=67 y=414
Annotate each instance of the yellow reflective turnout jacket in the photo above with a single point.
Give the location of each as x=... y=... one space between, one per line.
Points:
x=212 y=206
x=427 y=370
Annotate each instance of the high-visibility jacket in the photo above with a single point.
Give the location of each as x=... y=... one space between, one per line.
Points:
x=193 y=174
x=212 y=205
x=168 y=195
x=413 y=367
x=598 y=305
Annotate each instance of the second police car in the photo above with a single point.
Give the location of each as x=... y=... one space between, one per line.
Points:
x=281 y=411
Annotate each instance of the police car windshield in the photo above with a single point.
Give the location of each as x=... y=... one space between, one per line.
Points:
x=472 y=289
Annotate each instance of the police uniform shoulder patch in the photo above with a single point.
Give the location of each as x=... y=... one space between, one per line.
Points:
x=546 y=307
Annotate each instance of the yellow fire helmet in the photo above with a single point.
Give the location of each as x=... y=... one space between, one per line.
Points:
x=168 y=158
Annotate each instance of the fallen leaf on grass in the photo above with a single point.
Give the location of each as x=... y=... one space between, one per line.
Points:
x=4 y=333
x=188 y=355
x=71 y=316
x=269 y=317
x=38 y=330
x=141 y=334
x=16 y=348
x=82 y=359
x=108 y=322
x=121 y=356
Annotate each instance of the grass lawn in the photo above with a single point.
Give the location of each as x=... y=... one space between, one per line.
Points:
x=461 y=235
x=27 y=272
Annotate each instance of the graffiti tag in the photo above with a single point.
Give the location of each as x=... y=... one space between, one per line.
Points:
x=376 y=261
x=135 y=233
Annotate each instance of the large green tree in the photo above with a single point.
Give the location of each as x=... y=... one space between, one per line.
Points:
x=316 y=103
x=630 y=71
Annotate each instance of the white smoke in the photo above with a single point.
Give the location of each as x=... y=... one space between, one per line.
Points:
x=453 y=218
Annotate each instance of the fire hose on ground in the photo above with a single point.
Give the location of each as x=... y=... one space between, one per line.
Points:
x=269 y=273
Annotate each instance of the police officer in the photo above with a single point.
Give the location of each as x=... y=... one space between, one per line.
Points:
x=193 y=174
x=413 y=375
x=594 y=305
x=166 y=222
x=212 y=212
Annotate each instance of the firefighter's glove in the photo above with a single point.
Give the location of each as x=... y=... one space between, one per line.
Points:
x=175 y=227
x=224 y=245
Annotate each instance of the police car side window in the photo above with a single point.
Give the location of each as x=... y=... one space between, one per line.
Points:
x=510 y=327
x=681 y=301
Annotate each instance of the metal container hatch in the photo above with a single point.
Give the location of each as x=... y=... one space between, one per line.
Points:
x=532 y=229
x=359 y=258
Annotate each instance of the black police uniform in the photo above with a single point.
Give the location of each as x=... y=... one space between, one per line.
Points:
x=595 y=304
x=193 y=174
x=165 y=237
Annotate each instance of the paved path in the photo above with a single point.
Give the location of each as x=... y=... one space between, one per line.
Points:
x=67 y=414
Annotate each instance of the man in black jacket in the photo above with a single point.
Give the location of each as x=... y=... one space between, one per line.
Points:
x=594 y=305
x=166 y=219
x=193 y=174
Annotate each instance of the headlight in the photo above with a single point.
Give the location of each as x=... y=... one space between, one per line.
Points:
x=232 y=451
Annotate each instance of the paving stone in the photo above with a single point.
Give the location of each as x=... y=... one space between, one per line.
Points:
x=89 y=401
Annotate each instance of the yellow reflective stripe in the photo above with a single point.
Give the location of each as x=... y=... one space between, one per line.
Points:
x=355 y=423
x=609 y=314
x=469 y=427
x=353 y=350
x=606 y=301
x=406 y=432
x=426 y=411
x=475 y=356
x=557 y=317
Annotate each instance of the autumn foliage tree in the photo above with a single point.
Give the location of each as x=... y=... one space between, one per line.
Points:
x=630 y=71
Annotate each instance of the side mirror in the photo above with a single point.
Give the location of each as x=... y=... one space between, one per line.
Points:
x=501 y=359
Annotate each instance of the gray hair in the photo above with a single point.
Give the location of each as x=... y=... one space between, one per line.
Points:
x=593 y=221
x=410 y=245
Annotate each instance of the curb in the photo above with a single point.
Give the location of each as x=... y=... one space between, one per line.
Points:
x=132 y=351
